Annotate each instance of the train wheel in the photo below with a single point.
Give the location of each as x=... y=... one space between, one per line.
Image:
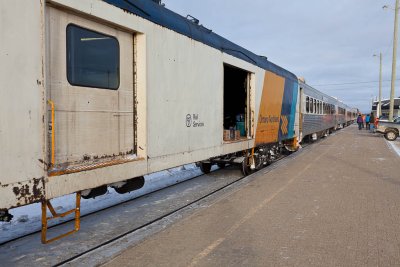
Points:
x=246 y=170
x=205 y=167
x=246 y=165
x=221 y=165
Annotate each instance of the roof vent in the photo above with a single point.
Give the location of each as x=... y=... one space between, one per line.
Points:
x=301 y=79
x=193 y=19
x=158 y=2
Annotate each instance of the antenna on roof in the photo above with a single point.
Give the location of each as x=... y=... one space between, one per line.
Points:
x=193 y=19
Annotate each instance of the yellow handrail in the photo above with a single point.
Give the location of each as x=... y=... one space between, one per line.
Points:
x=51 y=103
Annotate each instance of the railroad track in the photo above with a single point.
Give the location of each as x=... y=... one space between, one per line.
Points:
x=69 y=260
x=99 y=247
x=93 y=212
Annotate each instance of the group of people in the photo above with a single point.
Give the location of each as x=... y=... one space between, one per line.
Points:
x=368 y=121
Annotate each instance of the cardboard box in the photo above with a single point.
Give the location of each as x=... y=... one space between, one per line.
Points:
x=227 y=135
x=237 y=134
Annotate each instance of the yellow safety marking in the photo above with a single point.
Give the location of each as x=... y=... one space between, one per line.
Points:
x=52 y=160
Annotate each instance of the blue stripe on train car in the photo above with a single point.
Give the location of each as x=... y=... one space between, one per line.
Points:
x=288 y=113
x=293 y=111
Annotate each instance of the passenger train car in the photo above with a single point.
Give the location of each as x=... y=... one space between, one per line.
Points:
x=321 y=113
x=98 y=93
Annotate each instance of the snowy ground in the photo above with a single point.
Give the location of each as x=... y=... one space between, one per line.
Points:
x=395 y=145
x=27 y=219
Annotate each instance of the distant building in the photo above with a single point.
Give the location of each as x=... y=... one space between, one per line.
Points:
x=385 y=107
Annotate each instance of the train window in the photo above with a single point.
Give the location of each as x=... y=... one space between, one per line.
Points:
x=307 y=104
x=319 y=107
x=92 y=58
x=315 y=106
x=311 y=105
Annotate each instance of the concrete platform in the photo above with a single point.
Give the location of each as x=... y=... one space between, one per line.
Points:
x=335 y=204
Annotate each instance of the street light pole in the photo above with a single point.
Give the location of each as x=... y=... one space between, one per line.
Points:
x=396 y=11
x=380 y=86
x=379 y=106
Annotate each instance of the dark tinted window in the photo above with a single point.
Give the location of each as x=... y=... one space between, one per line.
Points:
x=92 y=58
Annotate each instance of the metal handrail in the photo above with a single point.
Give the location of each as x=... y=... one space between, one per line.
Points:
x=51 y=103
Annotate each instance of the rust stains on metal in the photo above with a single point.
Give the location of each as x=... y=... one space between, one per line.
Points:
x=46 y=165
x=90 y=166
x=30 y=192
x=87 y=157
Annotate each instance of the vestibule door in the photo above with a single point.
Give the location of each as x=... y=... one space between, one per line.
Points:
x=90 y=81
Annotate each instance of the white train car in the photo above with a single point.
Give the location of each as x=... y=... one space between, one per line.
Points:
x=94 y=94
x=321 y=113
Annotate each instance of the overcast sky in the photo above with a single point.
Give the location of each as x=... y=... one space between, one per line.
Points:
x=326 y=42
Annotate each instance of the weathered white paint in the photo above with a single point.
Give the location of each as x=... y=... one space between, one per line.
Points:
x=89 y=122
x=21 y=94
x=175 y=76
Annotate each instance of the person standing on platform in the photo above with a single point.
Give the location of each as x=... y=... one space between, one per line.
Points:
x=372 y=121
x=359 y=121
x=363 y=120
x=367 y=124
x=376 y=122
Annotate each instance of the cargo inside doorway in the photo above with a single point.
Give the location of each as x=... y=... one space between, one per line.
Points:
x=236 y=87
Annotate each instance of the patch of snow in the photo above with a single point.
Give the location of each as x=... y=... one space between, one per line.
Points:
x=27 y=219
x=395 y=146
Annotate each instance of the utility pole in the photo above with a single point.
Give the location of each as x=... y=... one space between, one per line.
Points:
x=392 y=89
x=379 y=106
x=380 y=87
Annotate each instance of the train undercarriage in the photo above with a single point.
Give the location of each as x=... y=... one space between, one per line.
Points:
x=250 y=160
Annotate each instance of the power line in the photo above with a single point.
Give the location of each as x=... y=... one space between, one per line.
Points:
x=349 y=89
x=331 y=84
